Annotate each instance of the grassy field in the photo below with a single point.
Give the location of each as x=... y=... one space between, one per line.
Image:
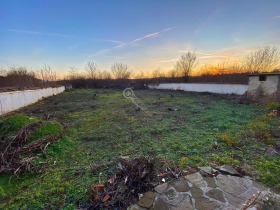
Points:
x=183 y=127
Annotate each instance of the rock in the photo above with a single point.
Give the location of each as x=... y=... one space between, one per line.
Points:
x=160 y=204
x=147 y=200
x=180 y=185
x=259 y=186
x=205 y=204
x=235 y=188
x=172 y=197
x=196 y=192
x=205 y=170
x=161 y=188
x=185 y=204
x=171 y=193
x=211 y=182
x=216 y=194
x=228 y=169
x=232 y=184
x=196 y=179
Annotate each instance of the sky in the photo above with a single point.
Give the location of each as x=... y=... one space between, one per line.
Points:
x=145 y=34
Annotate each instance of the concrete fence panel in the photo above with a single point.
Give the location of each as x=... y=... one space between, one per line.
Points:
x=210 y=88
x=10 y=101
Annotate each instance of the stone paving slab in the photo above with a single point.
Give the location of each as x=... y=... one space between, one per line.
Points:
x=198 y=191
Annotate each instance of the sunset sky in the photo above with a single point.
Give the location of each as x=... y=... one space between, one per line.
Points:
x=145 y=34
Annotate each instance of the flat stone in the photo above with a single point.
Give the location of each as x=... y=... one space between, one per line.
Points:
x=205 y=204
x=216 y=194
x=172 y=197
x=232 y=184
x=180 y=185
x=171 y=193
x=161 y=188
x=147 y=200
x=249 y=193
x=236 y=189
x=234 y=200
x=185 y=204
x=196 y=179
x=228 y=169
x=207 y=170
x=178 y=199
x=211 y=182
x=259 y=186
x=196 y=192
x=160 y=204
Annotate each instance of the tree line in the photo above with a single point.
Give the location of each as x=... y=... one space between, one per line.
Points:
x=264 y=59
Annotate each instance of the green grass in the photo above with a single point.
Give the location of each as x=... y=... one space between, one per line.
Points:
x=102 y=128
x=49 y=128
x=13 y=124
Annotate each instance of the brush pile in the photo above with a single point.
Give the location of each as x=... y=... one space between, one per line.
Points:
x=17 y=154
x=132 y=178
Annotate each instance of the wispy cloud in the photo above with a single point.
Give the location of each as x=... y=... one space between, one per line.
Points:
x=37 y=33
x=276 y=17
x=143 y=37
x=62 y=35
x=168 y=60
x=126 y=44
x=110 y=40
x=100 y=52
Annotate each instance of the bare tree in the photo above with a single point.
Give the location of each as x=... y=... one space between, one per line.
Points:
x=47 y=74
x=263 y=60
x=17 y=71
x=20 y=76
x=140 y=75
x=121 y=71
x=155 y=73
x=91 y=69
x=186 y=63
x=104 y=75
x=172 y=73
x=72 y=73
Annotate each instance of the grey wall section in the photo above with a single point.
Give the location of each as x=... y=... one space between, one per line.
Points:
x=268 y=87
x=10 y=101
x=264 y=91
x=211 y=88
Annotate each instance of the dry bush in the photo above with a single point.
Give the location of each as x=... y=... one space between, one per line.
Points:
x=121 y=71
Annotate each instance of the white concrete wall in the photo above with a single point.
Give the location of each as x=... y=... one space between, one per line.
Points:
x=10 y=101
x=211 y=88
x=267 y=87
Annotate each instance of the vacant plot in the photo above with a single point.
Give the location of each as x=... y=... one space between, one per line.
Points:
x=100 y=125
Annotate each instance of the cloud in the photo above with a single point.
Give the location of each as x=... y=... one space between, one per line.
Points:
x=100 y=52
x=168 y=60
x=126 y=44
x=276 y=17
x=110 y=40
x=62 y=35
x=37 y=33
